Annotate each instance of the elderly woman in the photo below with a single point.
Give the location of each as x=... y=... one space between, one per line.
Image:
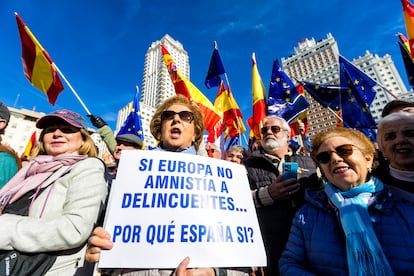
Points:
x=51 y=205
x=236 y=154
x=395 y=139
x=178 y=126
x=353 y=226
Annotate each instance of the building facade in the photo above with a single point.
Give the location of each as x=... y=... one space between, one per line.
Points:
x=21 y=126
x=317 y=62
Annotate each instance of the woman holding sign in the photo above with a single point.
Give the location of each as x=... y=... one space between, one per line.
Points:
x=178 y=126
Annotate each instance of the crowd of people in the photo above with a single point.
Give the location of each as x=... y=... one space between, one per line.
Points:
x=348 y=211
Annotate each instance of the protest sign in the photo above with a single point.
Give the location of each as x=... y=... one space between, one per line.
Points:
x=165 y=206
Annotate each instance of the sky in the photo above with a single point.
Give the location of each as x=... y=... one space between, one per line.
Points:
x=100 y=45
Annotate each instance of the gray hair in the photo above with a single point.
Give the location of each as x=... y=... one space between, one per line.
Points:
x=395 y=117
x=285 y=124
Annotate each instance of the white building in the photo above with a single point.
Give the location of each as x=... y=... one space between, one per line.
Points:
x=156 y=82
x=21 y=126
x=318 y=62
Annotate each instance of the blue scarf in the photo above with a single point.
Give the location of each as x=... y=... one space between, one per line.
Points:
x=189 y=150
x=364 y=252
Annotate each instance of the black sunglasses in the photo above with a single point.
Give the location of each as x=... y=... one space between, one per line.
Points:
x=274 y=129
x=186 y=116
x=343 y=151
x=67 y=129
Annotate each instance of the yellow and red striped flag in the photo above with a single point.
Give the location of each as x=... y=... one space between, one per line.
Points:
x=30 y=145
x=184 y=87
x=228 y=108
x=37 y=64
x=408 y=9
x=259 y=104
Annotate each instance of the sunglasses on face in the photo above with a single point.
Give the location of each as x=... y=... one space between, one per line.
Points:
x=65 y=129
x=343 y=151
x=274 y=129
x=186 y=116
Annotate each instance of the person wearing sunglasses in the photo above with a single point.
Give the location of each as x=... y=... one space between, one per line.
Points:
x=277 y=200
x=354 y=226
x=52 y=204
x=178 y=126
x=395 y=138
x=213 y=150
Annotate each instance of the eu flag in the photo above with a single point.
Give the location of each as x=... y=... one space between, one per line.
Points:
x=325 y=94
x=133 y=123
x=362 y=84
x=215 y=70
x=284 y=99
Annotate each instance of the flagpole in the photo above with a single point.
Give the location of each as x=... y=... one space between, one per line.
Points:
x=71 y=88
x=388 y=91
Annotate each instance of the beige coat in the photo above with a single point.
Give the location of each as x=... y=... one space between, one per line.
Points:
x=71 y=210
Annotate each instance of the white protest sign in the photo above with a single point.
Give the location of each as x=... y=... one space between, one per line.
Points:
x=165 y=206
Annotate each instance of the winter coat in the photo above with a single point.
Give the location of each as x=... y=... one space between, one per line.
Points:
x=72 y=206
x=275 y=217
x=316 y=244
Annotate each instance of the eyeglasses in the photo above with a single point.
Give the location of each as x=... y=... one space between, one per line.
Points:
x=210 y=150
x=186 y=116
x=343 y=151
x=274 y=129
x=65 y=129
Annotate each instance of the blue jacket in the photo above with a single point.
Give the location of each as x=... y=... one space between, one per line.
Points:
x=316 y=244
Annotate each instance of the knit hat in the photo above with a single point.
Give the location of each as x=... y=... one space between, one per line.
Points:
x=68 y=116
x=129 y=139
x=395 y=104
x=4 y=112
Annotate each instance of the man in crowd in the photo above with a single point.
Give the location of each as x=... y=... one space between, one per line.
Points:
x=277 y=200
x=9 y=162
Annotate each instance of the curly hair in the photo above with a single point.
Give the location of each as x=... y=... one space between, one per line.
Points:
x=357 y=137
x=88 y=146
x=156 y=123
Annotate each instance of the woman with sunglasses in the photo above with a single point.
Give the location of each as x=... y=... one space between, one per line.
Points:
x=178 y=126
x=51 y=205
x=353 y=226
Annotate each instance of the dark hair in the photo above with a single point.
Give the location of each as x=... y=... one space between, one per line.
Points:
x=156 y=123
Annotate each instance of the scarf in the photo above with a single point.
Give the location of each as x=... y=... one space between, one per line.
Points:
x=364 y=252
x=189 y=150
x=402 y=175
x=34 y=174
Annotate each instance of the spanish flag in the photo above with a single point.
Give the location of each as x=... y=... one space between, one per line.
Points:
x=30 y=145
x=228 y=108
x=259 y=104
x=408 y=9
x=184 y=87
x=37 y=64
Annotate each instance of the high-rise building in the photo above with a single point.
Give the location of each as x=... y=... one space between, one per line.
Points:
x=317 y=61
x=156 y=83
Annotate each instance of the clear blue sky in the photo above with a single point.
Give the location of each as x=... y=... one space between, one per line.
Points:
x=100 y=46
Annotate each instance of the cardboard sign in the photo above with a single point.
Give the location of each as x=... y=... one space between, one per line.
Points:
x=165 y=206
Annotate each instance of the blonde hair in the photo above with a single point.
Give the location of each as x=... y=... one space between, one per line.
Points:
x=156 y=123
x=88 y=147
